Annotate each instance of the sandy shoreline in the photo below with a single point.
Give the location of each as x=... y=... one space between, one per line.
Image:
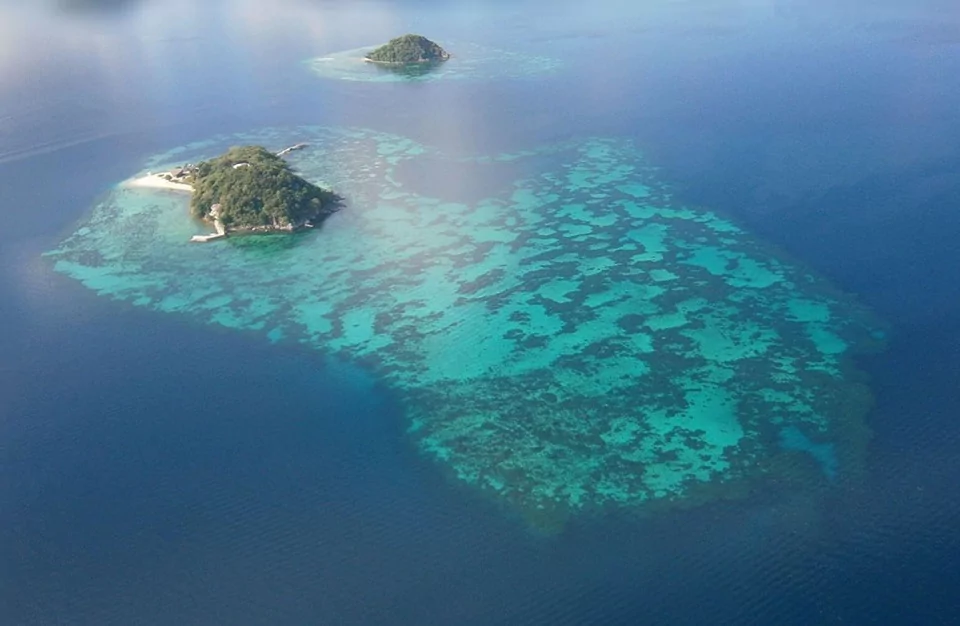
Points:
x=155 y=181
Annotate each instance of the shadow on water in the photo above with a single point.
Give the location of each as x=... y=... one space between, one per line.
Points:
x=94 y=7
x=268 y=244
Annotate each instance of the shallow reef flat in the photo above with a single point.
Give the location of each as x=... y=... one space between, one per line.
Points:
x=468 y=61
x=577 y=341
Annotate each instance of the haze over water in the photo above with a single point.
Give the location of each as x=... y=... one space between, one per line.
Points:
x=158 y=470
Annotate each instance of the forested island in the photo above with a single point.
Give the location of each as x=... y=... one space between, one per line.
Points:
x=250 y=189
x=408 y=50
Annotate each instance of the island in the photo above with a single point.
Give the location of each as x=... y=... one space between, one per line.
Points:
x=248 y=189
x=408 y=50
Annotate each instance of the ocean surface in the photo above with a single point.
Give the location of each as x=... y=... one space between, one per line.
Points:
x=167 y=458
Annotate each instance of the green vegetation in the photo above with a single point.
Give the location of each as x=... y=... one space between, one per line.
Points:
x=409 y=49
x=408 y=71
x=256 y=190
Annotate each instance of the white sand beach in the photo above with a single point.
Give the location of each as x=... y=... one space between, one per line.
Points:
x=155 y=181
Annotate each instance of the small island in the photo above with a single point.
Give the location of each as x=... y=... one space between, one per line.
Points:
x=248 y=189
x=408 y=50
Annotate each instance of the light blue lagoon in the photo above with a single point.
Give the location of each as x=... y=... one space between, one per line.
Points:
x=576 y=342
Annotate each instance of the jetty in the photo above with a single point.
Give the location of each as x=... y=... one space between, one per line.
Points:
x=217 y=225
x=299 y=146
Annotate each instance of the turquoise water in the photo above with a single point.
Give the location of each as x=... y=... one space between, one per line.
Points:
x=468 y=61
x=195 y=459
x=576 y=340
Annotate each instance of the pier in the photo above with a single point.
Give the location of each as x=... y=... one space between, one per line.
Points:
x=217 y=225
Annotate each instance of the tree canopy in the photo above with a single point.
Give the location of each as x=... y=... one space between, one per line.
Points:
x=409 y=49
x=256 y=188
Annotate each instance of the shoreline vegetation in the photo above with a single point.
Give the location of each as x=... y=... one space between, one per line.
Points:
x=408 y=49
x=247 y=190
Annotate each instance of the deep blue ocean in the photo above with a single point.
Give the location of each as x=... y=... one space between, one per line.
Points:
x=135 y=490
